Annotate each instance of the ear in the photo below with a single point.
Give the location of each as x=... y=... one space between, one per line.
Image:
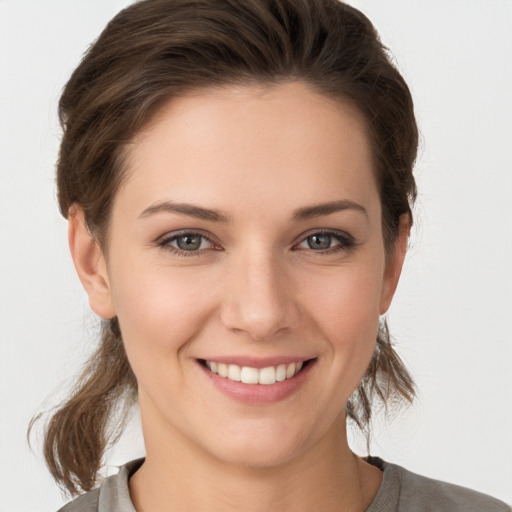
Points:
x=394 y=263
x=90 y=264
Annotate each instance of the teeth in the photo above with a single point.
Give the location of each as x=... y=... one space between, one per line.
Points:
x=281 y=372
x=222 y=370
x=248 y=375
x=234 y=372
x=267 y=375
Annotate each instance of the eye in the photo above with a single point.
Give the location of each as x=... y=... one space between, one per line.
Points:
x=186 y=242
x=327 y=242
x=319 y=241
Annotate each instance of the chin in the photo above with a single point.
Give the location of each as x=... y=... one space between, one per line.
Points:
x=262 y=446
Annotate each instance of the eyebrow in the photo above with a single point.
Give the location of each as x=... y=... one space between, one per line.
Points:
x=309 y=212
x=305 y=213
x=185 y=209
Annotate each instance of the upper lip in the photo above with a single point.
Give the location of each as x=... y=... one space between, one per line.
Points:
x=257 y=362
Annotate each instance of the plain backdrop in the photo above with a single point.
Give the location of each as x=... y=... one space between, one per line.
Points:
x=451 y=315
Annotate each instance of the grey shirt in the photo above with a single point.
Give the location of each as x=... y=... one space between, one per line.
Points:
x=400 y=491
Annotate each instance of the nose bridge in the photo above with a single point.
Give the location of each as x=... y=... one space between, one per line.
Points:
x=259 y=299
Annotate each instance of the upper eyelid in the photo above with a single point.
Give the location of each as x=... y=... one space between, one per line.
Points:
x=165 y=242
x=172 y=235
x=326 y=231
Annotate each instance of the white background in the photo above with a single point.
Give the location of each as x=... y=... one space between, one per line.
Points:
x=451 y=317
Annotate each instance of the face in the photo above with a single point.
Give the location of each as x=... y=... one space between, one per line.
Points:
x=246 y=241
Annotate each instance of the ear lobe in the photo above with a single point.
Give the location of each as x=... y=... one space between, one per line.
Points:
x=90 y=264
x=395 y=263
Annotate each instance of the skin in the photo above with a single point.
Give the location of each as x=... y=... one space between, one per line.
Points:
x=254 y=288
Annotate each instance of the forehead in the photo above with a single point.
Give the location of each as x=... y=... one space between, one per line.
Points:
x=250 y=146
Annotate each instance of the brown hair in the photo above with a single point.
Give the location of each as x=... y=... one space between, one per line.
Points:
x=155 y=50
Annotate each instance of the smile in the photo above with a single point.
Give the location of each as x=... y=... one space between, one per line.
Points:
x=248 y=375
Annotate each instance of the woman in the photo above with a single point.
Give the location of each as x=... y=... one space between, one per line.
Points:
x=238 y=182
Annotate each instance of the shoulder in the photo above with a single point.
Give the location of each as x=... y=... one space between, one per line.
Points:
x=417 y=493
x=86 y=503
x=113 y=495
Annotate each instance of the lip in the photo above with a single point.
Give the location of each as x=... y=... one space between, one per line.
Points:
x=257 y=393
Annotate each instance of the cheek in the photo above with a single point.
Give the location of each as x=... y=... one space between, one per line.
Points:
x=159 y=309
x=346 y=312
x=347 y=300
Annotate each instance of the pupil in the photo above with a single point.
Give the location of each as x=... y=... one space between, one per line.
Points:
x=319 y=241
x=189 y=242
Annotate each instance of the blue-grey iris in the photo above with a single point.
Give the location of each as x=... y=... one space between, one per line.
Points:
x=189 y=242
x=319 y=241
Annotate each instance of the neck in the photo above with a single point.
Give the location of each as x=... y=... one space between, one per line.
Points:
x=327 y=477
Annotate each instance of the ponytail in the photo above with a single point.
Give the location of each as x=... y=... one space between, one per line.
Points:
x=79 y=431
x=386 y=380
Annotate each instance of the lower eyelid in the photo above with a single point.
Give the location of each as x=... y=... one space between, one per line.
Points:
x=166 y=241
x=342 y=241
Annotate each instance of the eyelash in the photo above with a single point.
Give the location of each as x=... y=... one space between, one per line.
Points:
x=165 y=243
x=345 y=242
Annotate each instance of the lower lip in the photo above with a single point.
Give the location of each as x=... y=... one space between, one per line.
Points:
x=258 y=393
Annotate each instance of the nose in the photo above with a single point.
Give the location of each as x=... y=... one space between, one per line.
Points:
x=259 y=298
